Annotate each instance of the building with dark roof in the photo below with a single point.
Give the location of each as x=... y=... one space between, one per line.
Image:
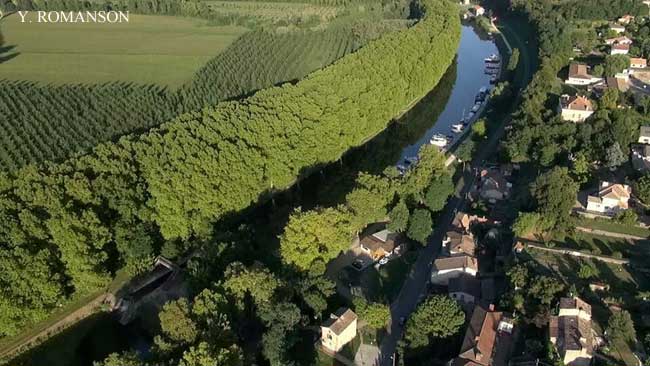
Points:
x=570 y=332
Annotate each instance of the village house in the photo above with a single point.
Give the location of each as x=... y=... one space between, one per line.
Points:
x=452 y=267
x=610 y=199
x=617 y=28
x=598 y=286
x=570 y=332
x=579 y=75
x=619 y=83
x=465 y=289
x=493 y=186
x=575 y=108
x=638 y=63
x=338 y=330
x=477 y=10
x=619 y=49
x=488 y=339
x=625 y=19
x=463 y=222
x=459 y=244
x=618 y=40
x=644 y=135
x=382 y=243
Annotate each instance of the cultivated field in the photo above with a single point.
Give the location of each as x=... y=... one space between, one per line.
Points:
x=160 y=50
x=275 y=11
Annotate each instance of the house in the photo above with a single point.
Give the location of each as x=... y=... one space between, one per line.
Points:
x=610 y=199
x=598 y=286
x=477 y=10
x=465 y=289
x=625 y=19
x=338 y=330
x=381 y=244
x=463 y=222
x=488 y=339
x=644 y=135
x=619 y=83
x=638 y=62
x=519 y=247
x=459 y=244
x=493 y=186
x=575 y=108
x=619 y=49
x=451 y=267
x=617 y=28
x=579 y=75
x=570 y=332
x=618 y=40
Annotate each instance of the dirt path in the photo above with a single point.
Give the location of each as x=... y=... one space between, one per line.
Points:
x=609 y=233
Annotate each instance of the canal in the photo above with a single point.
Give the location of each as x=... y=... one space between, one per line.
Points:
x=94 y=338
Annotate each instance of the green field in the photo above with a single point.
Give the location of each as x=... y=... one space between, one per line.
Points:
x=162 y=50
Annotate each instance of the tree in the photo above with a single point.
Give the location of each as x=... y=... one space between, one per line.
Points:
x=621 y=327
x=609 y=100
x=317 y=234
x=121 y=359
x=440 y=188
x=627 y=217
x=479 y=129
x=642 y=188
x=614 y=156
x=615 y=64
x=526 y=223
x=514 y=59
x=555 y=193
x=204 y=355
x=598 y=70
x=176 y=322
x=518 y=276
x=587 y=271
x=581 y=169
x=438 y=316
x=399 y=217
x=420 y=226
x=257 y=281
x=375 y=315
x=545 y=289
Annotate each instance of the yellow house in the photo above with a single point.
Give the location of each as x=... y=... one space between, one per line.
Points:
x=338 y=330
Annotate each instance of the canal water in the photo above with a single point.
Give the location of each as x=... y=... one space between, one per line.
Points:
x=470 y=77
x=96 y=337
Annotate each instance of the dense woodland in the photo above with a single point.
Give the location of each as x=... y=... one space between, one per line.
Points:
x=66 y=227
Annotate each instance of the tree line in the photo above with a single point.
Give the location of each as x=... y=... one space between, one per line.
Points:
x=71 y=224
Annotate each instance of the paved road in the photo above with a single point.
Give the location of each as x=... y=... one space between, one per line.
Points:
x=415 y=285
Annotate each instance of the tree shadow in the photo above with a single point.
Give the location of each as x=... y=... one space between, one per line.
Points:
x=7 y=53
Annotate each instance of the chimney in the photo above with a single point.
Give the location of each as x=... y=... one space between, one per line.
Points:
x=491 y=307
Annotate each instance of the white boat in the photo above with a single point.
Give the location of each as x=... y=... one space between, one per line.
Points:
x=493 y=58
x=470 y=115
x=491 y=71
x=476 y=107
x=457 y=128
x=438 y=140
x=483 y=90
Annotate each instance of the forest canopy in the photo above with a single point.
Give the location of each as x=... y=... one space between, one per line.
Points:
x=74 y=223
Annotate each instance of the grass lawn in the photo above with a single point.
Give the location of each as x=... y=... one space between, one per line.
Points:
x=635 y=250
x=612 y=226
x=162 y=50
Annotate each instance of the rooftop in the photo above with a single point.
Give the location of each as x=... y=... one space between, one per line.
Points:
x=340 y=320
x=459 y=262
x=576 y=103
x=465 y=284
